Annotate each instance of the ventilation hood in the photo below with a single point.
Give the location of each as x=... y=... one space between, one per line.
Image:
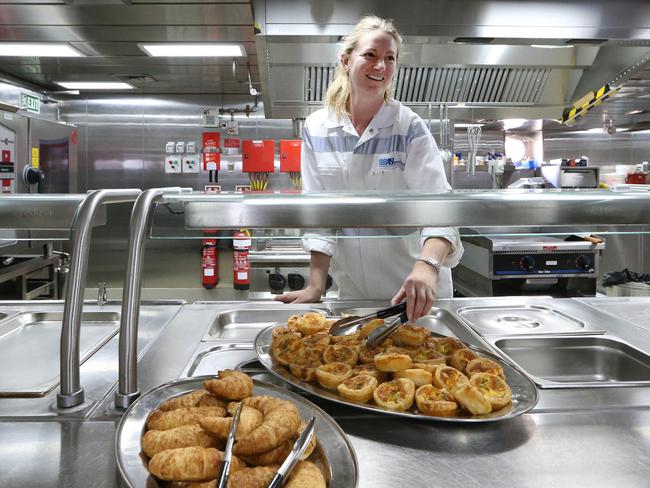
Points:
x=477 y=57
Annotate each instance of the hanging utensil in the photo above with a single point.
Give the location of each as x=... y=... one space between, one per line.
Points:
x=349 y=325
x=294 y=456
x=473 y=139
x=380 y=334
x=222 y=482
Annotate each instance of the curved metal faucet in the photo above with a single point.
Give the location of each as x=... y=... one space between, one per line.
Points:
x=71 y=393
x=141 y=219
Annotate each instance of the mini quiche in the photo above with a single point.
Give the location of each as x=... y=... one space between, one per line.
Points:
x=358 y=388
x=396 y=395
x=494 y=389
x=332 y=374
x=434 y=401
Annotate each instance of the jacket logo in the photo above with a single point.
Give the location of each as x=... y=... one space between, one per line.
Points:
x=389 y=163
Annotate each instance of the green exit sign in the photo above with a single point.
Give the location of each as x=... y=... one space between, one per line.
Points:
x=30 y=103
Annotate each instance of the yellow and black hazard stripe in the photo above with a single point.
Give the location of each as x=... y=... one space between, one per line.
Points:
x=582 y=106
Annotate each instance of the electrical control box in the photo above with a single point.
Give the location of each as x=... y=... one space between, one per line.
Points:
x=258 y=156
x=190 y=164
x=290 y=156
x=170 y=147
x=190 y=147
x=180 y=147
x=173 y=164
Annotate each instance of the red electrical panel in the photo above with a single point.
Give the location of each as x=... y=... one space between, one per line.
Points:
x=211 y=155
x=290 y=156
x=257 y=156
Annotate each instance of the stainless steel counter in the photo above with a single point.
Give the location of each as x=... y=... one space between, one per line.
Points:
x=596 y=437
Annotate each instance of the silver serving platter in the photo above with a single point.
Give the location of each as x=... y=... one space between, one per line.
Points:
x=524 y=392
x=334 y=454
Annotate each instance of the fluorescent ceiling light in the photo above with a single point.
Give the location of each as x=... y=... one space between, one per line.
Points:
x=94 y=85
x=189 y=49
x=41 y=50
x=550 y=46
x=463 y=125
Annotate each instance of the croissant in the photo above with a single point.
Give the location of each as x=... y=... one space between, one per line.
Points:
x=232 y=385
x=190 y=464
x=274 y=456
x=258 y=477
x=155 y=441
x=198 y=398
x=306 y=475
x=159 y=420
x=219 y=427
x=281 y=420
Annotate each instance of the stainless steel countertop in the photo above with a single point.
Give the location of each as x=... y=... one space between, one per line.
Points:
x=596 y=437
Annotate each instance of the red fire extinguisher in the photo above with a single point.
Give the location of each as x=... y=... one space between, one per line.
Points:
x=209 y=264
x=241 y=244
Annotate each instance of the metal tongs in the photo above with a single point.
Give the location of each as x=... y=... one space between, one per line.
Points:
x=294 y=456
x=349 y=325
x=380 y=334
x=222 y=482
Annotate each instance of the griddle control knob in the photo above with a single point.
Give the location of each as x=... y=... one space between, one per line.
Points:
x=583 y=262
x=296 y=281
x=277 y=282
x=527 y=263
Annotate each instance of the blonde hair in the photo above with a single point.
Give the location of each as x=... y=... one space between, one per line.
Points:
x=338 y=93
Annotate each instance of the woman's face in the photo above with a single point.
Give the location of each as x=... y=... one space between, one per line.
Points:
x=372 y=63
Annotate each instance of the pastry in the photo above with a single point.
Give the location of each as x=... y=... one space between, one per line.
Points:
x=418 y=376
x=233 y=385
x=471 y=399
x=484 y=365
x=311 y=323
x=449 y=378
x=424 y=353
x=367 y=329
x=435 y=401
x=447 y=345
x=285 y=347
x=410 y=335
x=397 y=394
x=318 y=338
x=155 y=441
x=190 y=464
x=218 y=427
x=274 y=456
x=306 y=475
x=304 y=367
x=198 y=398
x=358 y=388
x=370 y=369
x=493 y=388
x=337 y=353
x=461 y=357
x=257 y=477
x=428 y=365
x=388 y=361
x=331 y=374
x=281 y=421
x=159 y=420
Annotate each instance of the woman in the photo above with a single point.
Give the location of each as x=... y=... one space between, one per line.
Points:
x=365 y=140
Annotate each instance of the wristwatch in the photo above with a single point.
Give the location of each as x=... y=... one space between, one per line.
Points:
x=434 y=263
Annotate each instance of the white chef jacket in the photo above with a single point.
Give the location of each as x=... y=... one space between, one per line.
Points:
x=396 y=153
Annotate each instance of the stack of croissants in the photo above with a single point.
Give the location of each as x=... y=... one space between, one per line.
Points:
x=440 y=376
x=186 y=432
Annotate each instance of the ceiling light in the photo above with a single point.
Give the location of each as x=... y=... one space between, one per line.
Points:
x=635 y=112
x=550 y=46
x=41 y=50
x=94 y=85
x=188 y=49
x=464 y=126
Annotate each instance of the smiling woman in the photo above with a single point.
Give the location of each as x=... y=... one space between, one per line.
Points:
x=364 y=139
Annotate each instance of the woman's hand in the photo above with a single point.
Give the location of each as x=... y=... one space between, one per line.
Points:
x=310 y=294
x=419 y=291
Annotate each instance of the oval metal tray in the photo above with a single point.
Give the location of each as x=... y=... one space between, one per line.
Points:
x=524 y=392
x=334 y=454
